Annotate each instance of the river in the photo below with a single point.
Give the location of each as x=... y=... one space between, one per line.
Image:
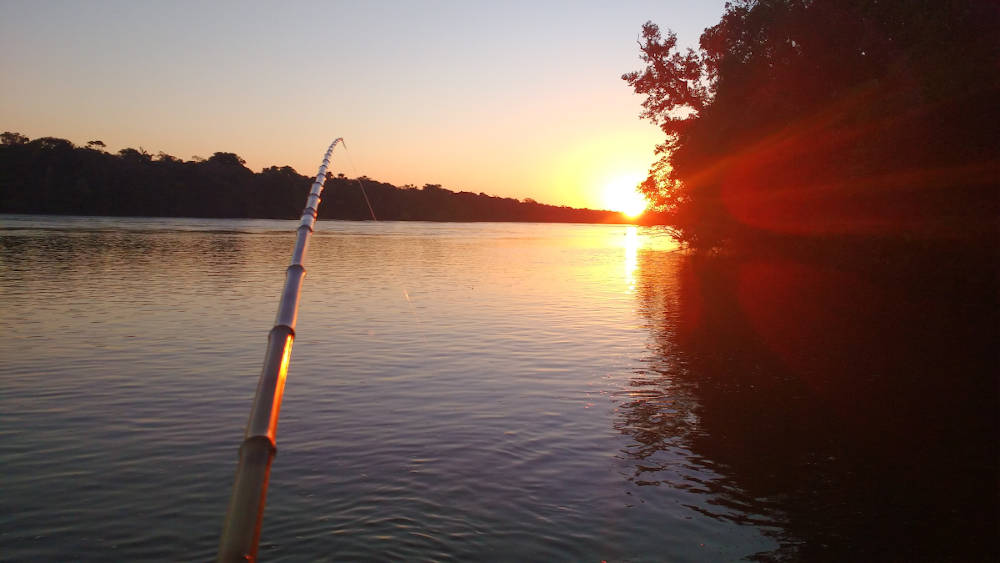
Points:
x=493 y=391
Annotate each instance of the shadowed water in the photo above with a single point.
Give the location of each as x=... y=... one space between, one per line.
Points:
x=457 y=392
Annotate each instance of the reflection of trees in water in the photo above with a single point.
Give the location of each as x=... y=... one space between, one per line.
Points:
x=860 y=420
x=658 y=408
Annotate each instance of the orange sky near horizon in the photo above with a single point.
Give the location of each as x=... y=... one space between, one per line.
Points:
x=514 y=99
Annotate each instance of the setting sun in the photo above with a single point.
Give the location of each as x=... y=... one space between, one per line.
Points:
x=620 y=194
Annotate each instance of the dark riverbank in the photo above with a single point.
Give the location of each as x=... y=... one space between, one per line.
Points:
x=50 y=176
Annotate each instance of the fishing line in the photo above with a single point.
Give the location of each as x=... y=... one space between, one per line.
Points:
x=405 y=290
x=358 y=180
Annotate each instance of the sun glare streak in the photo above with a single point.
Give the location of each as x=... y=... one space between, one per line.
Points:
x=279 y=390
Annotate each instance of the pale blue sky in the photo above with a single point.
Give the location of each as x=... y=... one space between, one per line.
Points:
x=519 y=99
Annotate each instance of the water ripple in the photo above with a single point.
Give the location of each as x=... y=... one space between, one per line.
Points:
x=457 y=392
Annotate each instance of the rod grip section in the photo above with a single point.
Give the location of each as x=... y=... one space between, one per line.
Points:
x=241 y=532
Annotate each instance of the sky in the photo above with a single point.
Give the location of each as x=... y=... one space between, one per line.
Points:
x=511 y=98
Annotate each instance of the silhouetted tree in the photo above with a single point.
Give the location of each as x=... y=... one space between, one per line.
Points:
x=133 y=155
x=799 y=121
x=52 y=144
x=164 y=157
x=9 y=138
x=226 y=159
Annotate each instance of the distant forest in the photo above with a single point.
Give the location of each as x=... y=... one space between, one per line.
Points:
x=53 y=176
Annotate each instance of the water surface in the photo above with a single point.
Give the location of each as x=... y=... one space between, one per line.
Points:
x=457 y=392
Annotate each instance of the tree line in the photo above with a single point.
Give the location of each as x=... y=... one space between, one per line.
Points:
x=49 y=175
x=827 y=123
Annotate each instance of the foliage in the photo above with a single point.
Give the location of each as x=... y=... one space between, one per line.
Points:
x=800 y=120
x=9 y=138
x=52 y=176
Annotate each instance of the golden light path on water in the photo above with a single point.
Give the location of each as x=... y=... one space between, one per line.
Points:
x=636 y=240
x=631 y=245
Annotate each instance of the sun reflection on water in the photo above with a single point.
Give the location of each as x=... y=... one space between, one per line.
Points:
x=631 y=245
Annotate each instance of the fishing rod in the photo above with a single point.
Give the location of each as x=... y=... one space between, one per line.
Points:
x=241 y=531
